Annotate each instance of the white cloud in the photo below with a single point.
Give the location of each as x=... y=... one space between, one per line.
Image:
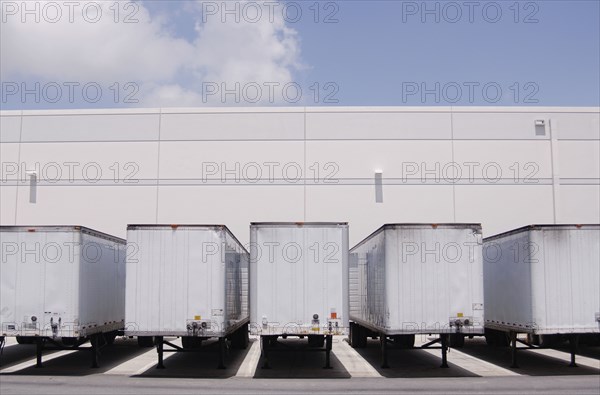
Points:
x=171 y=70
x=171 y=95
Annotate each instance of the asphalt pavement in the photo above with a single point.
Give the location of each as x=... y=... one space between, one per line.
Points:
x=127 y=369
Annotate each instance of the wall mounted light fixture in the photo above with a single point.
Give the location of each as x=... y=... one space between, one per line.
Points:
x=32 y=186
x=378 y=186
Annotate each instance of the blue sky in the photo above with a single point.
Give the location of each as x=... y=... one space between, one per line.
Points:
x=371 y=52
x=376 y=53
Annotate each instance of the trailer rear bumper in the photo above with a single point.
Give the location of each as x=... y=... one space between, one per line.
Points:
x=473 y=330
x=14 y=330
x=535 y=330
x=184 y=332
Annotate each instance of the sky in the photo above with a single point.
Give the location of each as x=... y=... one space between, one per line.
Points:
x=122 y=54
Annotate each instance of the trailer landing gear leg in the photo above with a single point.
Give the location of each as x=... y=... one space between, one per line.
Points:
x=94 y=350
x=384 y=357
x=573 y=342
x=159 y=350
x=328 y=347
x=221 y=353
x=265 y=342
x=444 y=338
x=513 y=346
x=39 y=346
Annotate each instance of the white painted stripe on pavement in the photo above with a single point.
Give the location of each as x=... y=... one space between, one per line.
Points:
x=565 y=356
x=353 y=362
x=143 y=362
x=140 y=363
x=31 y=362
x=464 y=361
x=10 y=341
x=476 y=365
x=154 y=363
x=248 y=366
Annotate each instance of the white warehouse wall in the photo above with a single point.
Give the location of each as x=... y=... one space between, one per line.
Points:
x=107 y=168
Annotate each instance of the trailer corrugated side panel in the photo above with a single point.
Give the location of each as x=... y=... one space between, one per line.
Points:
x=178 y=276
x=367 y=282
x=546 y=280
x=101 y=273
x=507 y=282
x=237 y=283
x=61 y=281
x=419 y=279
x=298 y=271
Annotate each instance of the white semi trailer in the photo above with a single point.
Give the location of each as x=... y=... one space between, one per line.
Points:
x=542 y=280
x=61 y=286
x=298 y=283
x=188 y=281
x=409 y=279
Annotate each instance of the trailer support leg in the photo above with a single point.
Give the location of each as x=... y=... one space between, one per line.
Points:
x=444 y=338
x=94 y=350
x=573 y=342
x=221 y=353
x=513 y=346
x=159 y=350
x=384 y=356
x=350 y=329
x=328 y=347
x=39 y=346
x=265 y=342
